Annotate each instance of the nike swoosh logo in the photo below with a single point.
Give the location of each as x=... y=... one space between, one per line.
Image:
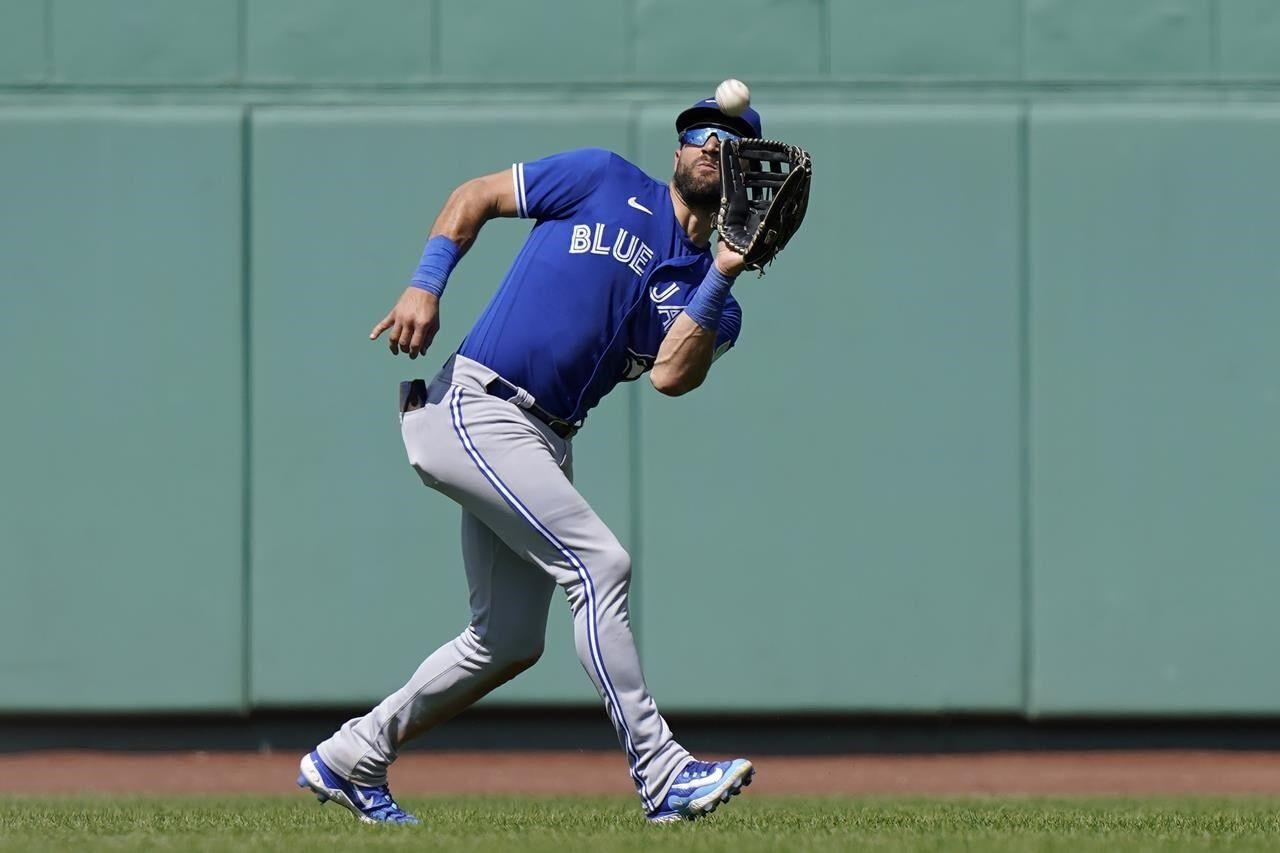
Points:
x=638 y=206
x=367 y=802
x=705 y=780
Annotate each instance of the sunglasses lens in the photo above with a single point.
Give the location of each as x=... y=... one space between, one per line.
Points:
x=699 y=135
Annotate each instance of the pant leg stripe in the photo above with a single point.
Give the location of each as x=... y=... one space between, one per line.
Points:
x=581 y=569
x=593 y=638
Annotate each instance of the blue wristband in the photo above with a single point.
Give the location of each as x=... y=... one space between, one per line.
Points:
x=439 y=257
x=707 y=303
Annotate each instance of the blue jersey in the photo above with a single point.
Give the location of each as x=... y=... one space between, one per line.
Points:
x=602 y=276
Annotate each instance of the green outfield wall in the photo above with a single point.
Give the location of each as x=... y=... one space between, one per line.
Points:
x=1002 y=433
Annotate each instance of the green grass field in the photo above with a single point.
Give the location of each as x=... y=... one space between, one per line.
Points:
x=529 y=825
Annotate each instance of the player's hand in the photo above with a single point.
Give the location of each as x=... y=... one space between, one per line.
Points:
x=413 y=322
x=728 y=261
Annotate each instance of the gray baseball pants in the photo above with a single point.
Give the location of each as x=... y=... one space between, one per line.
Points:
x=525 y=529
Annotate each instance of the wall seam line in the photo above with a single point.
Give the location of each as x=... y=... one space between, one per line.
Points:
x=1024 y=403
x=635 y=529
x=434 y=40
x=1215 y=58
x=49 y=69
x=242 y=35
x=841 y=89
x=246 y=378
x=1022 y=40
x=824 y=39
x=635 y=494
x=630 y=56
x=241 y=12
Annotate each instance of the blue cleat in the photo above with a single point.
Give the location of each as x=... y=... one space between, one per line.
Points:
x=370 y=805
x=701 y=787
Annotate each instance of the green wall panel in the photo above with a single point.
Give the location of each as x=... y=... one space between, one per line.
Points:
x=337 y=41
x=978 y=38
x=1249 y=37
x=765 y=38
x=1155 y=409
x=148 y=41
x=120 y=325
x=868 y=532
x=357 y=571
x=1105 y=38
x=570 y=40
x=22 y=41
x=841 y=499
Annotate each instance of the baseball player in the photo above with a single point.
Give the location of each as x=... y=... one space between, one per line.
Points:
x=616 y=279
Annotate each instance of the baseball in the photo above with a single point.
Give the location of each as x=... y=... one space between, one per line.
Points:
x=733 y=97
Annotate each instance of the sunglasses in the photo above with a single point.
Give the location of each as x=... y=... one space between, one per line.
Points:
x=699 y=135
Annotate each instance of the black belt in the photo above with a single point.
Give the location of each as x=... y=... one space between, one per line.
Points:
x=503 y=390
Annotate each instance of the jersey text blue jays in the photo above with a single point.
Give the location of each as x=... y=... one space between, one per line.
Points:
x=601 y=277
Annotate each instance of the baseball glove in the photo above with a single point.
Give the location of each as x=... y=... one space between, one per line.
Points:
x=764 y=192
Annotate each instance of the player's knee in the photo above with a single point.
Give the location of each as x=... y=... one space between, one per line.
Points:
x=613 y=566
x=531 y=656
x=515 y=653
x=514 y=663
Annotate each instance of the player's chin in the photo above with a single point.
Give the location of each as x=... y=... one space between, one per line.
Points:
x=703 y=179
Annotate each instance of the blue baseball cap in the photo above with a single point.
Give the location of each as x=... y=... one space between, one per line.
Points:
x=706 y=112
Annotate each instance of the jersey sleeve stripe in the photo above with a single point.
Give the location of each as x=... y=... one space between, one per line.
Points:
x=524 y=198
x=515 y=186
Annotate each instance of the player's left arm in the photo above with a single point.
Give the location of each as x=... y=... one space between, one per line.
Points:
x=686 y=353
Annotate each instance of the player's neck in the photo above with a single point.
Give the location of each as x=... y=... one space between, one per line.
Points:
x=695 y=222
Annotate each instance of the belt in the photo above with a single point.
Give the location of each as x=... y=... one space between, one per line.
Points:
x=504 y=390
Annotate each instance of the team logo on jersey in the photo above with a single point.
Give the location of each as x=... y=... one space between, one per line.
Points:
x=669 y=313
x=636 y=365
x=660 y=296
x=590 y=239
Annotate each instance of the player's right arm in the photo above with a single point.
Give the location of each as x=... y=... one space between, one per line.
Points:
x=549 y=188
x=473 y=204
x=415 y=319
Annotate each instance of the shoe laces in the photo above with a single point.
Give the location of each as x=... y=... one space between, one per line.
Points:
x=697 y=769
